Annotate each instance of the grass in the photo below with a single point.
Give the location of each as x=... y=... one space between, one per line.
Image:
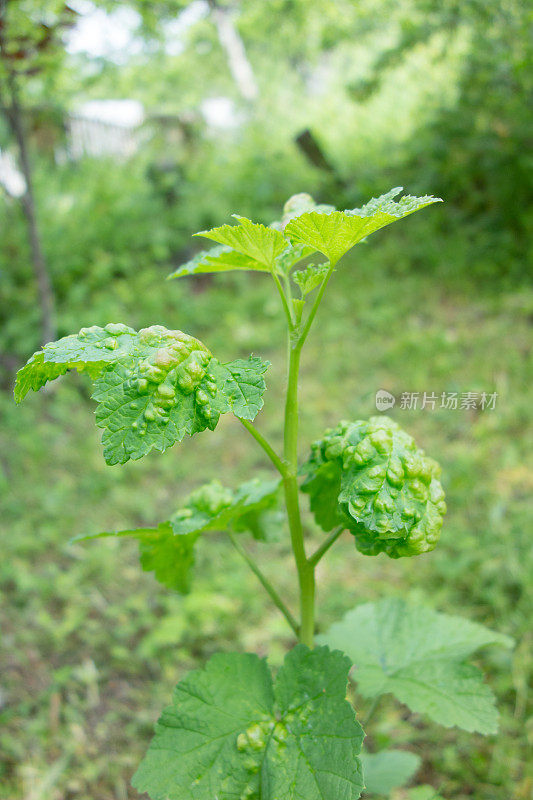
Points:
x=91 y=647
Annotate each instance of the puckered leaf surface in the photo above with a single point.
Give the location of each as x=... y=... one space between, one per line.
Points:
x=250 y=239
x=232 y=732
x=152 y=387
x=370 y=476
x=309 y=278
x=388 y=770
x=334 y=233
x=418 y=655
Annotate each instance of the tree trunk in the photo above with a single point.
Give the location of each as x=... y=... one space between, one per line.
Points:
x=44 y=286
x=233 y=45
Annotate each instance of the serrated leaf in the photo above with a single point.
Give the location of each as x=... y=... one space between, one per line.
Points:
x=310 y=278
x=292 y=254
x=219 y=259
x=169 y=557
x=419 y=655
x=298 y=204
x=232 y=732
x=250 y=239
x=388 y=770
x=371 y=476
x=336 y=232
x=152 y=387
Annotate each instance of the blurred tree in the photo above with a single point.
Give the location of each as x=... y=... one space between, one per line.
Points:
x=30 y=44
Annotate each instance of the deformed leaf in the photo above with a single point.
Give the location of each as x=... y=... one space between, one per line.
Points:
x=418 y=655
x=370 y=476
x=250 y=239
x=310 y=277
x=219 y=259
x=152 y=387
x=334 y=233
x=232 y=732
x=388 y=770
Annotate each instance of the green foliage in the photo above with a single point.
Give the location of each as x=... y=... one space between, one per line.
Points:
x=371 y=477
x=336 y=232
x=261 y=244
x=233 y=732
x=152 y=387
x=309 y=278
x=419 y=655
x=388 y=769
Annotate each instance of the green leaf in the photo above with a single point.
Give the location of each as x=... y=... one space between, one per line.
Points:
x=152 y=387
x=388 y=770
x=169 y=557
x=292 y=254
x=298 y=204
x=418 y=655
x=231 y=732
x=370 y=476
x=250 y=239
x=425 y=792
x=336 y=232
x=214 y=507
x=219 y=259
x=310 y=277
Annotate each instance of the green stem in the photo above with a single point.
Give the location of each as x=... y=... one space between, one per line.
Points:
x=306 y=575
x=314 y=308
x=284 y=302
x=260 y=439
x=276 y=599
x=324 y=547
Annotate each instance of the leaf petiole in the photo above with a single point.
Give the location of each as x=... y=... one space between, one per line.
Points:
x=326 y=544
x=262 y=442
x=274 y=596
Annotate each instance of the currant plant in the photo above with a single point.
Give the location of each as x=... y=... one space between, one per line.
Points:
x=235 y=731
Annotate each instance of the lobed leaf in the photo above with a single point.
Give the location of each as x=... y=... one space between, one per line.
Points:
x=250 y=239
x=311 y=277
x=219 y=259
x=418 y=655
x=335 y=232
x=388 y=770
x=371 y=477
x=152 y=387
x=232 y=732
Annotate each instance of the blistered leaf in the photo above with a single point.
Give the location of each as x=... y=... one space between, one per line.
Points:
x=336 y=232
x=418 y=655
x=388 y=770
x=214 y=507
x=250 y=239
x=311 y=277
x=232 y=732
x=152 y=387
x=370 y=476
x=219 y=259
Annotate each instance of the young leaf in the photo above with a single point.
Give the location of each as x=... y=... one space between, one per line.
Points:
x=310 y=277
x=336 y=232
x=169 y=557
x=418 y=655
x=250 y=239
x=152 y=387
x=232 y=732
x=388 y=770
x=219 y=259
x=298 y=204
x=370 y=476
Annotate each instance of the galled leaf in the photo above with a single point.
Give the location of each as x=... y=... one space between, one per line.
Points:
x=334 y=233
x=418 y=655
x=370 y=476
x=250 y=239
x=232 y=732
x=152 y=387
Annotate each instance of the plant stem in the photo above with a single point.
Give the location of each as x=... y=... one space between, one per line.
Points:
x=276 y=599
x=314 y=308
x=260 y=439
x=306 y=575
x=326 y=544
x=284 y=302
